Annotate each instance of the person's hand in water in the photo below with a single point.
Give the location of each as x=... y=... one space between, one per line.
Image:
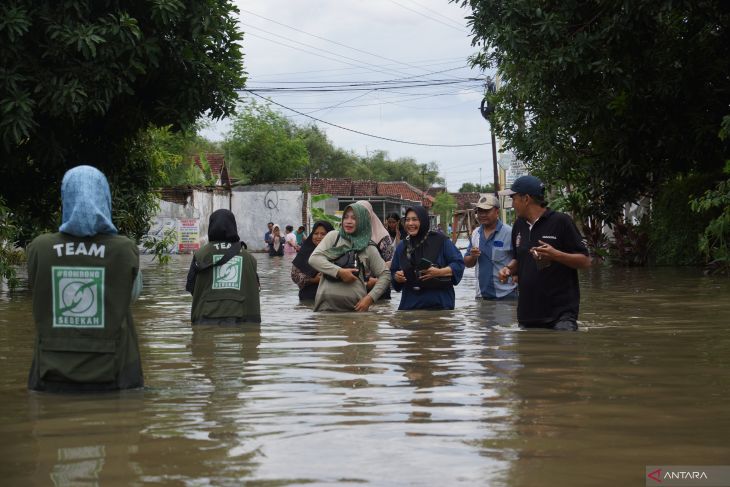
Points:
x=364 y=304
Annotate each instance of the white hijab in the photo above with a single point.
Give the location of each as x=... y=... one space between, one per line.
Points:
x=378 y=230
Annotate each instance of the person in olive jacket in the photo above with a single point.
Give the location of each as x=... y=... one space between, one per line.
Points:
x=223 y=278
x=84 y=279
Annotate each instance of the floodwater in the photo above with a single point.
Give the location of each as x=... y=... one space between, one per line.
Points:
x=387 y=397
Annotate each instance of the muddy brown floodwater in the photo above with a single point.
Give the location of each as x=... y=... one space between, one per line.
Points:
x=388 y=397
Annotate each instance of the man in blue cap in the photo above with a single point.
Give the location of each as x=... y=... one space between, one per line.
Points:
x=547 y=250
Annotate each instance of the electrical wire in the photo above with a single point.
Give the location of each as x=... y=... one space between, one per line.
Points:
x=329 y=40
x=307 y=89
x=320 y=49
x=444 y=61
x=364 y=133
x=396 y=80
x=429 y=17
x=457 y=23
x=317 y=54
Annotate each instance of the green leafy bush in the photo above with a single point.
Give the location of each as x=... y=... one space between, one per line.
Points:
x=9 y=255
x=318 y=214
x=675 y=228
x=715 y=240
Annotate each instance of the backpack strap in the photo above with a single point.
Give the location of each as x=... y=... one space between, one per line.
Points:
x=232 y=251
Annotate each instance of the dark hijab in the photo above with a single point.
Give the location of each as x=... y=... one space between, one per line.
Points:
x=301 y=261
x=222 y=227
x=399 y=231
x=416 y=245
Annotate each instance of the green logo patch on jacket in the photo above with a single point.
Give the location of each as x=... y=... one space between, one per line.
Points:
x=78 y=297
x=228 y=275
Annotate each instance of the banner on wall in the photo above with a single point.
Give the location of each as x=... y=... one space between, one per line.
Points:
x=188 y=236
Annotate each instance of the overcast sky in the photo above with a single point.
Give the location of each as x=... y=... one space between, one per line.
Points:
x=324 y=44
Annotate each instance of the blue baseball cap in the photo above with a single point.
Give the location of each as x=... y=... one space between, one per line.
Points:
x=525 y=185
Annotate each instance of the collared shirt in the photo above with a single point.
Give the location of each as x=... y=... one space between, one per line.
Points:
x=548 y=292
x=496 y=252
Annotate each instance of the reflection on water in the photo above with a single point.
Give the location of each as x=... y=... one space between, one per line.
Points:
x=387 y=397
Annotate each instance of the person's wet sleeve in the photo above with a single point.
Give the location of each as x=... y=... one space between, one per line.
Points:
x=455 y=261
x=319 y=261
x=192 y=273
x=379 y=270
x=395 y=267
x=137 y=286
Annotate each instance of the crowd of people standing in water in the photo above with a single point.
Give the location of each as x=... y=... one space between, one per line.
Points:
x=535 y=263
x=85 y=277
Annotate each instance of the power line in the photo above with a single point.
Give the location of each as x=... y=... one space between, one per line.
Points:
x=330 y=88
x=396 y=80
x=316 y=54
x=363 y=133
x=394 y=101
x=437 y=13
x=329 y=40
x=320 y=49
x=429 y=17
x=443 y=61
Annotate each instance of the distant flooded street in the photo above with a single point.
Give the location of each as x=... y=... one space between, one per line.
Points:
x=387 y=397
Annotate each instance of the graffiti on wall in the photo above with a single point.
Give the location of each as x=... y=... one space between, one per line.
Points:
x=272 y=200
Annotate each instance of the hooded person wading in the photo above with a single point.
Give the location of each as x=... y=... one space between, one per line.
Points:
x=223 y=278
x=84 y=279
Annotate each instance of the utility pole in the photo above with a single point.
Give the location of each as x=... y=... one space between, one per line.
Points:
x=487 y=110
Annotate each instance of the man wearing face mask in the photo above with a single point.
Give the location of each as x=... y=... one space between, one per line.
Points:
x=547 y=251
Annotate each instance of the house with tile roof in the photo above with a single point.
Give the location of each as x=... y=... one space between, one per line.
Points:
x=218 y=168
x=385 y=197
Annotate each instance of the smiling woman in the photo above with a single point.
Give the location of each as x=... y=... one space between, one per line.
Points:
x=426 y=265
x=344 y=258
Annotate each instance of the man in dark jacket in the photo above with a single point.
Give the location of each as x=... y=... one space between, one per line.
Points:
x=547 y=251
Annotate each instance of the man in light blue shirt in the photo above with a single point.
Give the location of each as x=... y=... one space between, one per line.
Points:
x=490 y=249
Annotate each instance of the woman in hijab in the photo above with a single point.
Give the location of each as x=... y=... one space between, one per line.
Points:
x=426 y=265
x=276 y=244
x=84 y=279
x=303 y=274
x=383 y=242
x=222 y=277
x=395 y=229
x=344 y=257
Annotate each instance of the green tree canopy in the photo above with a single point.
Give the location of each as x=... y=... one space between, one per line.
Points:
x=264 y=146
x=610 y=98
x=81 y=80
x=379 y=167
x=476 y=188
x=444 y=205
x=325 y=160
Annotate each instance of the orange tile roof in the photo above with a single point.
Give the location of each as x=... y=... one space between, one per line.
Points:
x=217 y=165
x=348 y=187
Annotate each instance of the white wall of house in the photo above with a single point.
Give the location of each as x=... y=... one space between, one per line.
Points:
x=253 y=206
